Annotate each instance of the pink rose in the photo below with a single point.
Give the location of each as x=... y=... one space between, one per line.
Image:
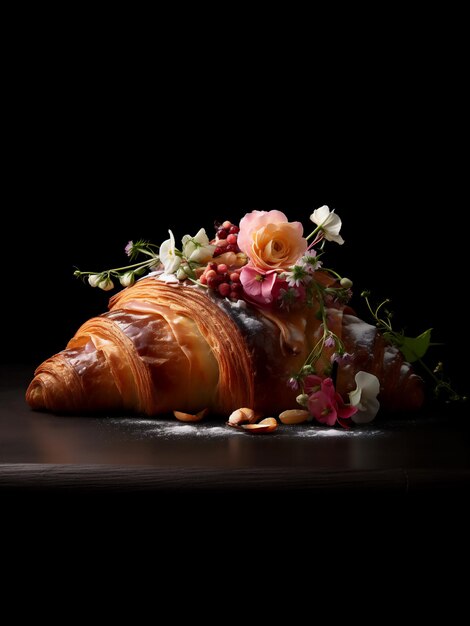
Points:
x=270 y=241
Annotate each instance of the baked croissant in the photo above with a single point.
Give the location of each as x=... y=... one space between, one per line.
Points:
x=175 y=347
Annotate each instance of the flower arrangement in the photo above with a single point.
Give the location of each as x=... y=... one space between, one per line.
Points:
x=266 y=262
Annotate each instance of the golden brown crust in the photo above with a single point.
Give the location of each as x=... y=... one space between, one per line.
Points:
x=175 y=347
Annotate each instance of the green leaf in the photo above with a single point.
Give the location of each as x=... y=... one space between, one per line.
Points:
x=414 y=348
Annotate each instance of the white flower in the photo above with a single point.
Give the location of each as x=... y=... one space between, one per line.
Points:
x=329 y=222
x=171 y=261
x=364 y=397
x=309 y=262
x=127 y=279
x=94 y=279
x=106 y=284
x=197 y=249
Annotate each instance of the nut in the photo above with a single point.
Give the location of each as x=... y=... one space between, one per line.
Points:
x=294 y=416
x=242 y=416
x=265 y=426
x=189 y=417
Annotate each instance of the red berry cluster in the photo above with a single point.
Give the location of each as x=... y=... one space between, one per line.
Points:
x=226 y=238
x=219 y=278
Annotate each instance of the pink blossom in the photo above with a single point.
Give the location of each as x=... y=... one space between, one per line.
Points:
x=128 y=248
x=258 y=285
x=341 y=359
x=326 y=405
x=293 y=383
x=330 y=342
x=322 y=408
x=312 y=383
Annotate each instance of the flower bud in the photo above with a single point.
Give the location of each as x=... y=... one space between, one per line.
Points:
x=94 y=279
x=106 y=284
x=308 y=369
x=293 y=383
x=302 y=399
x=346 y=283
x=181 y=274
x=127 y=279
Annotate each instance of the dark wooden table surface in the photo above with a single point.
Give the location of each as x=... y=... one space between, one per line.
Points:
x=407 y=454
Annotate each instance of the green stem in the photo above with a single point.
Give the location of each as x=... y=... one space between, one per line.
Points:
x=147 y=252
x=437 y=381
x=120 y=269
x=197 y=282
x=317 y=350
x=330 y=271
x=317 y=229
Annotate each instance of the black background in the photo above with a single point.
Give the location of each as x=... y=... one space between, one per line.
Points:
x=103 y=149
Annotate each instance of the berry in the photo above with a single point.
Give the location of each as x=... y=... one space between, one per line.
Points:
x=221 y=268
x=211 y=274
x=234 y=230
x=222 y=243
x=214 y=281
x=232 y=239
x=219 y=251
x=222 y=233
x=235 y=277
x=224 y=289
x=227 y=225
x=212 y=266
x=232 y=247
x=203 y=279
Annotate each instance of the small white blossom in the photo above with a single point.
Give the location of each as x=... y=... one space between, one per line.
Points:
x=364 y=397
x=329 y=222
x=197 y=249
x=309 y=262
x=94 y=279
x=106 y=284
x=127 y=279
x=170 y=260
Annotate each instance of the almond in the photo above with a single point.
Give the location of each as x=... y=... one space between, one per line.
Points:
x=189 y=417
x=265 y=426
x=294 y=416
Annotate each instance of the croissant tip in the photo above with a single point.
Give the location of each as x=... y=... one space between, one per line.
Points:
x=35 y=396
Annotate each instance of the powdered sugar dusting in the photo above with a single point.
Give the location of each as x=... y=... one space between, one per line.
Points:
x=142 y=428
x=167 y=429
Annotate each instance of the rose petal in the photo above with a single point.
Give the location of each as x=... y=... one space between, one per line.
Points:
x=254 y=221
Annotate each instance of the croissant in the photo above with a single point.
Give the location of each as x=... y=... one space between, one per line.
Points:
x=168 y=347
